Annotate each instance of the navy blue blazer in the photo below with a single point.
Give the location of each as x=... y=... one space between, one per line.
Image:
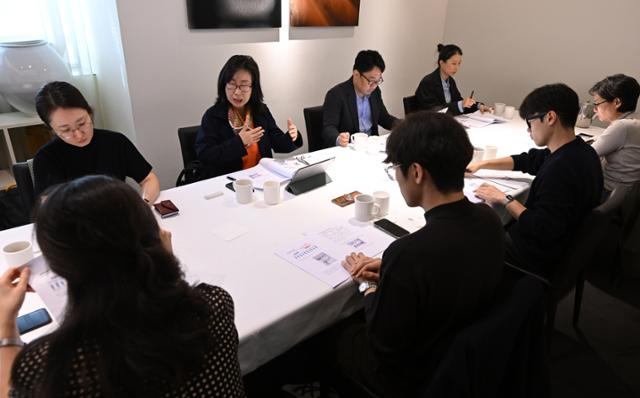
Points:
x=430 y=94
x=221 y=150
x=340 y=112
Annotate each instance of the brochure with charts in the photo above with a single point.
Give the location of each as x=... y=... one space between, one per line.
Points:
x=321 y=253
x=51 y=288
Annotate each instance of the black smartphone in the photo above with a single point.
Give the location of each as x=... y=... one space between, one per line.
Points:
x=166 y=208
x=33 y=320
x=391 y=228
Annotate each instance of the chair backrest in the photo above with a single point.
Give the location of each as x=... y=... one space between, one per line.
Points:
x=313 y=121
x=502 y=354
x=579 y=253
x=23 y=173
x=410 y=104
x=187 y=137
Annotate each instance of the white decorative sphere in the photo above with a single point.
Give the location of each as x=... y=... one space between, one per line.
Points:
x=25 y=67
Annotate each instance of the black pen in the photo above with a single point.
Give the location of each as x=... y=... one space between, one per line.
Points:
x=471 y=96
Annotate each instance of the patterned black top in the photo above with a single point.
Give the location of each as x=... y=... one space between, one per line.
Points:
x=219 y=376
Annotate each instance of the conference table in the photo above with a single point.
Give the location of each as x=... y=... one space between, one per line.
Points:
x=277 y=305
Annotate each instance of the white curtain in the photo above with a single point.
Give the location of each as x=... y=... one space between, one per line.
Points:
x=64 y=23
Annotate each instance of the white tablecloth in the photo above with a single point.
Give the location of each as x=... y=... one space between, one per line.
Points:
x=277 y=305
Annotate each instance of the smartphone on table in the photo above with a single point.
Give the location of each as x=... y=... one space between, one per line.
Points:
x=390 y=228
x=166 y=208
x=33 y=320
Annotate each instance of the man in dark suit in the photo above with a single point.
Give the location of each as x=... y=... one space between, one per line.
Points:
x=356 y=104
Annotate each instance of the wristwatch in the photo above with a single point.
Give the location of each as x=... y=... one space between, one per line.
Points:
x=366 y=285
x=508 y=199
x=11 y=341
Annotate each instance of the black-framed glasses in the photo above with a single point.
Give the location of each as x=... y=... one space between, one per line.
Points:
x=391 y=171
x=244 y=88
x=372 y=81
x=540 y=116
x=595 y=104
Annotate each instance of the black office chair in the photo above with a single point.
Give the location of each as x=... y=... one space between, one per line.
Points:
x=313 y=121
x=187 y=137
x=193 y=169
x=501 y=354
x=570 y=270
x=410 y=104
x=23 y=173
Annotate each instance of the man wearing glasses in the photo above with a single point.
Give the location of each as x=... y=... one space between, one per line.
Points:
x=568 y=182
x=356 y=105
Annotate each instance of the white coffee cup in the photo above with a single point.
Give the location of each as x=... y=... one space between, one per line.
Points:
x=271 y=192
x=490 y=152
x=366 y=208
x=478 y=154
x=17 y=253
x=359 y=141
x=244 y=191
x=381 y=198
x=498 y=108
x=509 y=112
x=374 y=144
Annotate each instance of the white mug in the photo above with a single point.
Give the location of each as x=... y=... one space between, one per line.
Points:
x=271 y=192
x=374 y=144
x=381 y=198
x=478 y=155
x=498 y=108
x=490 y=152
x=359 y=141
x=17 y=253
x=366 y=208
x=509 y=112
x=244 y=191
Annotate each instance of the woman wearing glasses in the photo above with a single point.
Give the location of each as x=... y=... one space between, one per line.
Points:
x=615 y=99
x=238 y=130
x=438 y=90
x=78 y=149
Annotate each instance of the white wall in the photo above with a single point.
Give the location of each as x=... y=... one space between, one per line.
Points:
x=172 y=71
x=512 y=46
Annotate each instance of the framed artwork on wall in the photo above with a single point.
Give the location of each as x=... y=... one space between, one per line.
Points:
x=324 y=12
x=230 y=14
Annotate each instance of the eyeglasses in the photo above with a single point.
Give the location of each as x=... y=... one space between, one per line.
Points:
x=391 y=171
x=595 y=104
x=244 y=88
x=540 y=116
x=68 y=132
x=372 y=82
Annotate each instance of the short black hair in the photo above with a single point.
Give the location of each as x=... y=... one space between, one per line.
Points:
x=56 y=95
x=234 y=64
x=557 y=97
x=447 y=51
x=618 y=86
x=435 y=141
x=367 y=60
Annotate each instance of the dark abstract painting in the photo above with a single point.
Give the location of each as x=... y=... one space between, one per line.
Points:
x=324 y=12
x=225 y=14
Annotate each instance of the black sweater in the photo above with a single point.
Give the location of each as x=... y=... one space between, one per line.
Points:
x=567 y=186
x=433 y=282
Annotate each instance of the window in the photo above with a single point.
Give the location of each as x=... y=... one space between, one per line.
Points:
x=64 y=23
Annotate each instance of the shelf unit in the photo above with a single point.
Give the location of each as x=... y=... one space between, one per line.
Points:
x=10 y=121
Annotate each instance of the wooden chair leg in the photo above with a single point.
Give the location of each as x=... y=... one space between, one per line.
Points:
x=577 y=302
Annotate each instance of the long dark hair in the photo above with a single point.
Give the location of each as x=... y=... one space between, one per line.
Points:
x=126 y=293
x=56 y=95
x=234 y=64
